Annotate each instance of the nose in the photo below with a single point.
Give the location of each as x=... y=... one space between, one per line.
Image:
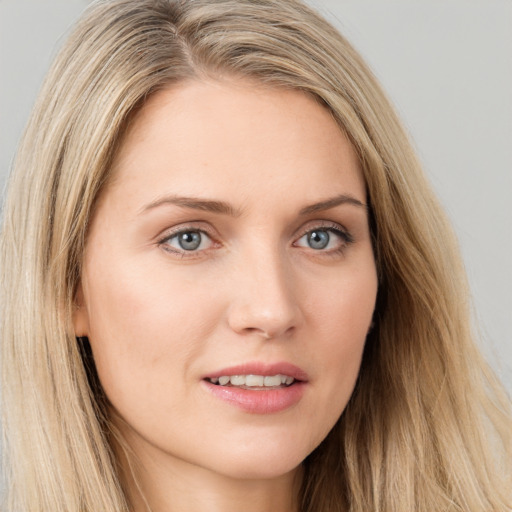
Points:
x=264 y=300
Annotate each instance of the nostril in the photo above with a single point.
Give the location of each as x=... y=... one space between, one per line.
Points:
x=267 y=334
x=258 y=331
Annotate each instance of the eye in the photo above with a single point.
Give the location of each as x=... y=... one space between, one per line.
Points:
x=325 y=239
x=318 y=239
x=187 y=240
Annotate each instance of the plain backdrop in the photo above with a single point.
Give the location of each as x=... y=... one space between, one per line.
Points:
x=447 y=65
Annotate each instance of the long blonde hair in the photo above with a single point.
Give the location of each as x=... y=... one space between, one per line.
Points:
x=428 y=426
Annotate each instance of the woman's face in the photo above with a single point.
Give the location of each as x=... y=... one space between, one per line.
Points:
x=231 y=245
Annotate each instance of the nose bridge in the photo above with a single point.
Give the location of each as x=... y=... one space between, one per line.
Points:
x=263 y=300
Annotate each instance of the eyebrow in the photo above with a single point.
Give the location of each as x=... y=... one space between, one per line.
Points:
x=224 y=208
x=195 y=203
x=332 y=203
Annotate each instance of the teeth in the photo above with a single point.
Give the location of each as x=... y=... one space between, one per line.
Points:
x=275 y=380
x=252 y=380
x=238 y=380
x=257 y=381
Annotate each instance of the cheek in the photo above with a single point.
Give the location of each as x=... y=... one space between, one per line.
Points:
x=340 y=320
x=341 y=306
x=142 y=324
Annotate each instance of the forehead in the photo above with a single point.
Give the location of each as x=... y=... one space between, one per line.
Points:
x=220 y=137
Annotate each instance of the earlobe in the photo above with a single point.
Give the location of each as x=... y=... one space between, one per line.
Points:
x=80 y=316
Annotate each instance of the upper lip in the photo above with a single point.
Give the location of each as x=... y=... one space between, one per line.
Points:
x=260 y=368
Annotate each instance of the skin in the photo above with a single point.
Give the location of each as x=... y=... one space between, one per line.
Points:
x=160 y=318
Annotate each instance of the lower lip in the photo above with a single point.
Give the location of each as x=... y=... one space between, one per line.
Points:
x=266 y=401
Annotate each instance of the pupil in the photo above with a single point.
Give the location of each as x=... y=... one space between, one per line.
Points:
x=190 y=240
x=318 y=239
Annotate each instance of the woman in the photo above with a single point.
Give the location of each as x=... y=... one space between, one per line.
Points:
x=226 y=282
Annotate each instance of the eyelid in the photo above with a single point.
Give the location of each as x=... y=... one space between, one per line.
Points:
x=327 y=226
x=340 y=231
x=198 y=227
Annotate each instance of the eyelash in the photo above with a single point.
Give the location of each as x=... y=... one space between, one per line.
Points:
x=346 y=239
x=330 y=227
x=163 y=242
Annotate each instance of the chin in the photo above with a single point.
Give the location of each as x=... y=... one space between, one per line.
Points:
x=260 y=471
x=263 y=461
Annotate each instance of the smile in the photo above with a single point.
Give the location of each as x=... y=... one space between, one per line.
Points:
x=258 y=388
x=256 y=382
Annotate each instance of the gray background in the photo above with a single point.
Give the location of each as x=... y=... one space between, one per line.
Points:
x=447 y=64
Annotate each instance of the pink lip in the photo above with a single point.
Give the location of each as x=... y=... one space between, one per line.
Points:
x=260 y=401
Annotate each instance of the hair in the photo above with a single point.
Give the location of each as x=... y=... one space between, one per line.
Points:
x=428 y=426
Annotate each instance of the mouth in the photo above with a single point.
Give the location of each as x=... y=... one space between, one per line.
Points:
x=258 y=388
x=253 y=382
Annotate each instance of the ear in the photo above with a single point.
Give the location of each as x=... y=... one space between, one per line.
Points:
x=80 y=315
